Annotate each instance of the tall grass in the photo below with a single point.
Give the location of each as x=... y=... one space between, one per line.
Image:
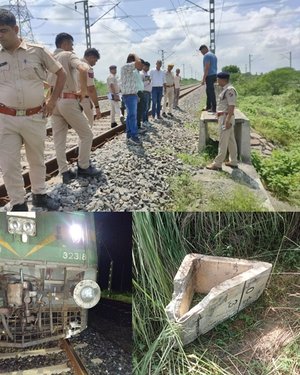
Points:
x=161 y=240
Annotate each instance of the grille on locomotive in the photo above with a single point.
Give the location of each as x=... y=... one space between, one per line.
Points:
x=48 y=273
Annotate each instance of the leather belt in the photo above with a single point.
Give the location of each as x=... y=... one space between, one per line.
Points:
x=68 y=95
x=170 y=86
x=19 y=112
x=221 y=114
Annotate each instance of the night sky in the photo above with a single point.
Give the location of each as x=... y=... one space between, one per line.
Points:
x=114 y=239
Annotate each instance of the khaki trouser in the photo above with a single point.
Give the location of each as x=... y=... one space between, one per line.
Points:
x=114 y=110
x=176 y=97
x=15 y=130
x=68 y=111
x=169 y=96
x=88 y=110
x=226 y=141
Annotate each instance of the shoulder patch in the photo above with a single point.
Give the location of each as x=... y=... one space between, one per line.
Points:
x=35 y=45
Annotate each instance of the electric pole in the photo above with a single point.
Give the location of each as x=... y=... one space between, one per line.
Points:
x=86 y=22
x=212 y=25
x=162 y=57
x=183 y=71
x=23 y=17
x=211 y=12
x=250 y=61
x=289 y=58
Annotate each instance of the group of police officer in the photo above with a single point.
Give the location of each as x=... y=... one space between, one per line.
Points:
x=24 y=111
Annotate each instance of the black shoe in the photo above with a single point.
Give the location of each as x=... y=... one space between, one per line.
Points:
x=114 y=124
x=71 y=174
x=142 y=131
x=170 y=114
x=45 y=201
x=123 y=121
x=20 y=207
x=164 y=114
x=89 y=172
x=135 y=141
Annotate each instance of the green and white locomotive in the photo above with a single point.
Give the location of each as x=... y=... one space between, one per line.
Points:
x=48 y=273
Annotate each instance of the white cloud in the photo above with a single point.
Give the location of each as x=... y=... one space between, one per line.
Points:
x=264 y=31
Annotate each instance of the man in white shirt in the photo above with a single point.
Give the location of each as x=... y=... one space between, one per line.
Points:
x=147 y=91
x=158 y=79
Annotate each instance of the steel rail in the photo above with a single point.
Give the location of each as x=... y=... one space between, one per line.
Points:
x=74 y=362
x=71 y=155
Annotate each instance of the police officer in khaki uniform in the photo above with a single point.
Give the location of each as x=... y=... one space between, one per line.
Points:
x=91 y=56
x=68 y=111
x=23 y=112
x=169 y=94
x=113 y=90
x=225 y=114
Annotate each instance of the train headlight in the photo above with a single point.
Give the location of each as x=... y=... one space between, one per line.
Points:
x=29 y=227
x=76 y=233
x=14 y=226
x=21 y=226
x=87 y=294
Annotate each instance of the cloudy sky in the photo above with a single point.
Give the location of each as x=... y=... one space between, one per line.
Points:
x=261 y=33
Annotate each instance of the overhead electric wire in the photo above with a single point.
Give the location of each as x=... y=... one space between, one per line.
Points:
x=187 y=34
x=220 y=22
x=217 y=8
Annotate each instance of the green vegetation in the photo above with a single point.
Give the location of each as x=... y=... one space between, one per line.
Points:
x=126 y=297
x=262 y=339
x=101 y=87
x=239 y=199
x=186 y=194
x=189 y=81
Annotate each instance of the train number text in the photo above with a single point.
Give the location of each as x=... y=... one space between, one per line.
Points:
x=74 y=256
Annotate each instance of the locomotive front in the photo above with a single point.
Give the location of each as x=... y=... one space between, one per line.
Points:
x=48 y=273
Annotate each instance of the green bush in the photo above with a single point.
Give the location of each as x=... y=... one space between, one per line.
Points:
x=281 y=173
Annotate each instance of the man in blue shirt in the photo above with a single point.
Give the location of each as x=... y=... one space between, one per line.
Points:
x=209 y=77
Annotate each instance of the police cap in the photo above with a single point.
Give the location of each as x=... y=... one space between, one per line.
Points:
x=113 y=67
x=223 y=75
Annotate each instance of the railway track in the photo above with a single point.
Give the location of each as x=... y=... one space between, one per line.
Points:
x=30 y=362
x=102 y=131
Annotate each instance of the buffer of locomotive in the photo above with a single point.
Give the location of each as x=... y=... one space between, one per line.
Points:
x=48 y=273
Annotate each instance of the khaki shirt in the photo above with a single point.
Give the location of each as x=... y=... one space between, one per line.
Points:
x=227 y=97
x=169 y=78
x=22 y=74
x=112 y=79
x=90 y=74
x=177 y=80
x=70 y=62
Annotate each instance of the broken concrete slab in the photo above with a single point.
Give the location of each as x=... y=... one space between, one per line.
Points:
x=229 y=286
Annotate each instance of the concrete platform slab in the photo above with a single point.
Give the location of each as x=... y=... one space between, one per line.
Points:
x=229 y=286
